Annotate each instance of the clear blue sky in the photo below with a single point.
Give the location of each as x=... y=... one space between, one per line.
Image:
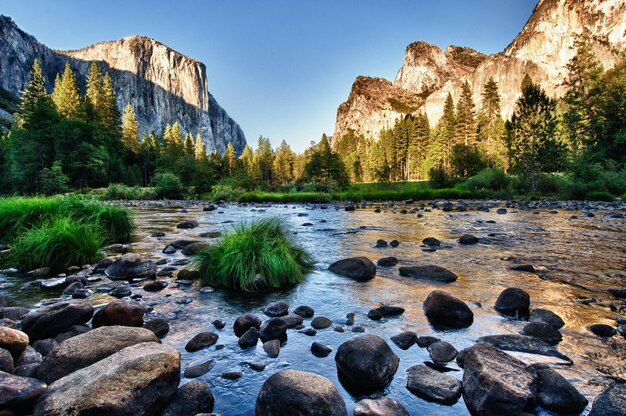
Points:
x=280 y=67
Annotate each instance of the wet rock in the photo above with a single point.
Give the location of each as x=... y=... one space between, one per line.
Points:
x=101 y=266
x=524 y=268
x=293 y=392
x=81 y=294
x=432 y=385
x=394 y=243
x=137 y=380
x=357 y=268
x=379 y=407
x=389 y=311
x=29 y=356
x=6 y=362
x=186 y=274
x=159 y=326
x=13 y=341
x=14 y=313
x=274 y=328
x=320 y=350
x=131 y=266
x=387 y=262
x=446 y=311
x=304 y=311
x=442 y=352
x=83 y=350
x=602 y=330
x=257 y=366
x=201 y=341
x=375 y=315
x=557 y=394
x=8 y=323
x=501 y=211
x=232 y=375
x=27 y=370
x=194 y=248
x=272 y=348
x=249 y=338
x=157 y=234
x=179 y=244
x=52 y=320
x=381 y=244
x=73 y=331
x=339 y=328
x=309 y=332
x=612 y=402
x=523 y=343
x=73 y=287
x=199 y=369
x=121 y=291
x=293 y=320
x=276 y=309
x=169 y=249
x=542 y=331
x=358 y=329
x=19 y=393
x=119 y=312
x=405 y=340
x=513 y=302
x=350 y=318
x=429 y=272
x=496 y=383
x=41 y=272
x=321 y=322
x=618 y=293
x=185 y=225
x=219 y=324
x=548 y=317
x=468 y=239
x=367 y=361
x=431 y=241
x=155 y=286
x=350 y=208
x=245 y=322
x=192 y=398
x=44 y=346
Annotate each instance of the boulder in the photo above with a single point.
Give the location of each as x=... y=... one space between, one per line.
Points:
x=442 y=352
x=381 y=244
x=272 y=348
x=425 y=340
x=131 y=266
x=71 y=332
x=367 y=361
x=292 y=392
x=185 y=225
x=293 y=320
x=380 y=407
x=602 y=330
x=432 y=385
x=513 y=302
x=495 y=383
x=321 y=322
x=159 y=326
x=101 y=266
x=198 y=370
x=83 y=350
x=249 y=338
x=429 y=272
x=274 y=328
x=548 y=317
x=320 y=350
x=194 y=248
x=6 y=362
x=276 y=309
x=155 y=286
x=612 y=402
x=29 y=356
x=13 y=341
x=388 y=311
x=119 y=312
x=304 y=311
x=19 y=393
x=357 y=268
x=405 y=340
x=50 y=321
x=192 y=398
x=557 y=394
x=201 y=341
x=245 y=322
x=468 y=239
x=387 y=262
x=542 y=331
x=446 y=311
x=138 y=380
x=523 y=343
x=431 y=242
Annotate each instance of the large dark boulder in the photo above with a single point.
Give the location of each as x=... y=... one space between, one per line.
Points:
x=138 y=380
x=548 y=317
x=446 y=311
x=201 y=341
x=612 y=402
x=274 y=328
x=380 y=407
x=542 y=331
x=131 y=266
x=429 y=272
x=367 y=361
x=245 y=322
x=523 y=343
x=276 y=309
x=405 y=339
x=513 y=302
x=357 y=268
x=299 y=393
x=192 y=398
x=433 y=385
x=83 y=350
x=495 y=383
x=19 y=393
x=50 y=321
x=442 y=352
x=557 y=394
x=119 y=312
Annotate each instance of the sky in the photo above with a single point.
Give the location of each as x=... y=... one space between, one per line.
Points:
x=280 y=68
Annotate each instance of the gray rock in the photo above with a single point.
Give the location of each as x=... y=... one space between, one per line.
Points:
x=513 y=302
x=321 y=322
x=245 y=322
x=379 y=407
x=194 y=248
x=357 y=268
x=6 y=361
x=542 y=331
x=442 y=352
x=612 y=402
x=137 y=380
x=201 y=341
x=276 y=309
x=426 y=340
x=293 y=392
x=119 y=312
x=320 y=350
x=14 y=313
x=272 y=348
x=548 y=317
x=192 y=398
x=72 y=332
x=405 y=340
x=367 y=361
x=523 y=343
x=159 y=326
x=557 y=394
x=19 y=393
x=274 y=328
x=446 y=311
x=304 y=311
x=131 y=266
x=50 y=321
x=29 y=356
x=429 y=272
x=293 y=320
x=199 y=369
x=432 y=385
x=155 y=286
x=250 y=338
x=387 y=262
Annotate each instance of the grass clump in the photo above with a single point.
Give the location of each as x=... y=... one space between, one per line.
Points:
x=57 y=244
x=261 y=247
x=600 y=196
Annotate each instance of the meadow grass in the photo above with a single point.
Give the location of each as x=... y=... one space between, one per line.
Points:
x=261 y=247
x=57 y=244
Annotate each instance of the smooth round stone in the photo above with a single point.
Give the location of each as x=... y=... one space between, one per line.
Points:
x=321 y=322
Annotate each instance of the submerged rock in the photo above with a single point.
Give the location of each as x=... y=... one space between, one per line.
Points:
x=357 y=268
x=432 y=385
x=446 y=311
x=380 y=407
x=602 y=330
x=429 y=272
x=367 y=361
x=293 y=392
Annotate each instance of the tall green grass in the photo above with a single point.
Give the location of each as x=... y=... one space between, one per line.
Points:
x=57 y=244
x=262 y=247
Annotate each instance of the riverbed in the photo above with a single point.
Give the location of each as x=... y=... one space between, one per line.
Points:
x=577 y=257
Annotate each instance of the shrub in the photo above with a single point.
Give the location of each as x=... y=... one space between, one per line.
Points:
x=57 y=244
x=53 y=180
x=600 y=196
x=439 y=178
x=116 y=191
x=168 y=185
x=262 y=247
x=493 y=179
x=226 y=193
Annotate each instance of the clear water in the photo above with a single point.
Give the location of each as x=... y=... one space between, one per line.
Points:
x=583 y=258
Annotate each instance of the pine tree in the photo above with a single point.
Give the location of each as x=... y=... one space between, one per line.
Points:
x=107 y=106
x=94 y=83
x=189 y=145
x=130 y=130
x=199 y=151
x=377 y=163
x=283 y=164
x=447 y=133
x=230 y=159
x=418 y=147
x=465 y=126
x=264 y=158
x=249 y=164
x=66 y=96
x=491 y=132
x=34 y=95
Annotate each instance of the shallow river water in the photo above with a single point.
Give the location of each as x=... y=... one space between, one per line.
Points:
x=583 y=257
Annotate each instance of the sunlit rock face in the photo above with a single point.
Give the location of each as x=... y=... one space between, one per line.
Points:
x=162 y=85
x=542 y=49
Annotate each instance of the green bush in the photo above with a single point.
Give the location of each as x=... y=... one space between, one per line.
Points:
x=226 y=193
x=57 y=244
x=262 y=247
x=439 y=178
x=600 y=196
x=120 y=191
x=168 y=185
x=493 y=179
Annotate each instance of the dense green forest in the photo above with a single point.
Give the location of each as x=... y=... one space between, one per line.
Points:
x=75 y=140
